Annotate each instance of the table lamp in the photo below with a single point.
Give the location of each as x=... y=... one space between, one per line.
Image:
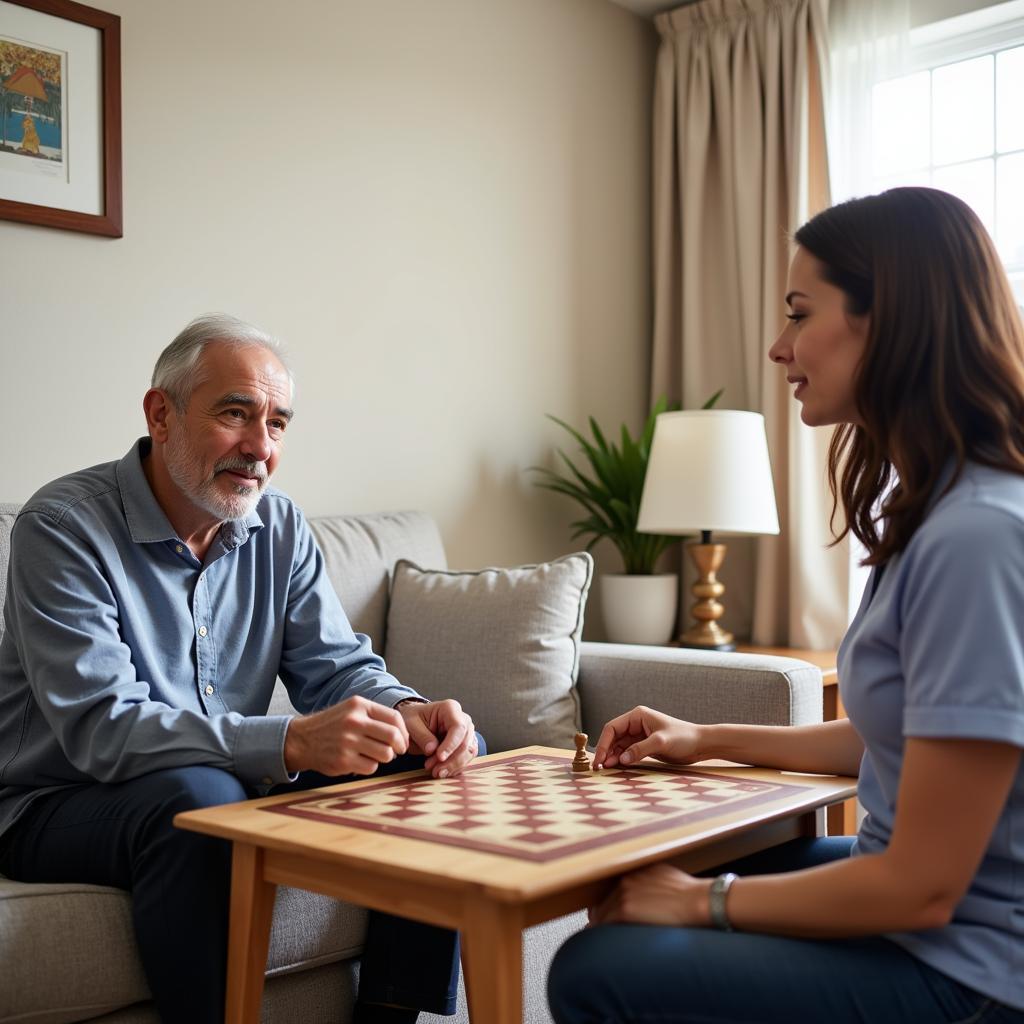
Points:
x=708 y=472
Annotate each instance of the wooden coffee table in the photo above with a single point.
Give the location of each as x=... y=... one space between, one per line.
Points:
x=515 y=840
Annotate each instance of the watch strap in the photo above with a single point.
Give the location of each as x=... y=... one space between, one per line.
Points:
x=716 y=901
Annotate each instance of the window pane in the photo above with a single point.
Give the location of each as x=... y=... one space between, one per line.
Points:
x=973 y=183
x=919 y=176
x=962 y=110
x=1017 y=283
x=1010 y=227
x=899 y=124
x=1009 y=90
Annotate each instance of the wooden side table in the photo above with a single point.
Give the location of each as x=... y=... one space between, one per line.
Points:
x=842 y=818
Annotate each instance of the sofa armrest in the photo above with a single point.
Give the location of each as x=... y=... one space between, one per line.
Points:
x=699 y=686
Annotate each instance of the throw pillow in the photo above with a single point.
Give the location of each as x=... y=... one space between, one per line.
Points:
x=503 y=642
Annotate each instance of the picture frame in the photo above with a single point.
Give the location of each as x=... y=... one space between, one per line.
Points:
x=60 y=116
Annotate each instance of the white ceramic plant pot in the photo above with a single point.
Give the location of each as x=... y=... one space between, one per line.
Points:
x=639 y=609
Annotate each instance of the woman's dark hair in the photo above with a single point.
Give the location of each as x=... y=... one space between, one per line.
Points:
x=942 y=375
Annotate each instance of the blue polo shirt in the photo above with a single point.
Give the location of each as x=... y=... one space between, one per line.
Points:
x=938 y=652
x=124 y=654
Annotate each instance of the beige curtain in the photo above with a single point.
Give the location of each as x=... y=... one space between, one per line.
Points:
x=739 y=163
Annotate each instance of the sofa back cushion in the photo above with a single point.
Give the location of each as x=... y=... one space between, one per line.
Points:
x=360 y=553
x=505 y=643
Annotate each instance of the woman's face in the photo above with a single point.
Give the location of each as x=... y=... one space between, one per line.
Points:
x=821 y=346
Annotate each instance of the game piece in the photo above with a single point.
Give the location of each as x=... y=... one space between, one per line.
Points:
x=581 y=763
x=530 y=808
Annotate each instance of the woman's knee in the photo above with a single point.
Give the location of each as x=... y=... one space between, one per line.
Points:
x=576 y=971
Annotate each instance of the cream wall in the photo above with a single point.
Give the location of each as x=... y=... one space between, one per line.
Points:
x=441 y=207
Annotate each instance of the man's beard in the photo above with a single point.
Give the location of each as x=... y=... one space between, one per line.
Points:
x=185 y=468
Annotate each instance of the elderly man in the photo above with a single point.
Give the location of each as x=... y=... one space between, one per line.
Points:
x=151 y=604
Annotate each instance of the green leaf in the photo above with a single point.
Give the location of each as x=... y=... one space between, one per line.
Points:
x=596 y=431
x=714 y=398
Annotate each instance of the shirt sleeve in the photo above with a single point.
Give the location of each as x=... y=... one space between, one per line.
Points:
x=63 y=616
x=962 y=627
x=324 y=661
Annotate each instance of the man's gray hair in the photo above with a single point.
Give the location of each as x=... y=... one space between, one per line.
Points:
x=176 y=370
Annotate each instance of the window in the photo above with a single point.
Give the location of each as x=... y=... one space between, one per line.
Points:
x=955 y=121
x=958 y=125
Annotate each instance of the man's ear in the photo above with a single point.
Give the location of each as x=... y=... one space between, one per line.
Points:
x=157 y=406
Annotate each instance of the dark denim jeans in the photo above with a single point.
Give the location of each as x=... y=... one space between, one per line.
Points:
x=643 y=974
x=120 y=834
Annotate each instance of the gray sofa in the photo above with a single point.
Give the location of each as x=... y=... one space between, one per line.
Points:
x=67 y=951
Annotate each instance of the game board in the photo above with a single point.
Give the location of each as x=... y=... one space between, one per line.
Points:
x=532 y=807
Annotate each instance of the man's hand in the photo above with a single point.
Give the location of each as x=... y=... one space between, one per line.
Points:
x=443 y=732
x=350 y=738
x=646 y=733
x=659 y=894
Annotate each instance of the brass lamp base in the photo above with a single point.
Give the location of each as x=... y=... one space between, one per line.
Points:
x=706 y=634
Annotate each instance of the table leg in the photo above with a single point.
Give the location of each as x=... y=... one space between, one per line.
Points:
x=492 y=958
x=841 y=818
x=252 y=908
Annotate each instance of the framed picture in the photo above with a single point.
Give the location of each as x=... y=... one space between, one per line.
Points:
x=60 y=115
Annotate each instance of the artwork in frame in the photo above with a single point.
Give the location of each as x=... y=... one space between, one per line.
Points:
x=60 y=116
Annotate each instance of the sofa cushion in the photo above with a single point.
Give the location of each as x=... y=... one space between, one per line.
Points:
x=503 y=642
x=359 y=552
x=52 y=932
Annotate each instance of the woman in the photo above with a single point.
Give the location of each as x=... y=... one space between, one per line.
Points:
x=904 y=332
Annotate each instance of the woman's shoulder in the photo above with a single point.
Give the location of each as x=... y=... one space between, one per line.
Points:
x=986 y=486
x=985 y=502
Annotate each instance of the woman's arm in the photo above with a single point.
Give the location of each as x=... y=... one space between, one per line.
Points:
x=827 y=748
x=951 y=795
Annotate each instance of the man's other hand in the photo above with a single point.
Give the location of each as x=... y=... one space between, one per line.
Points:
x=350 y=738
x=443 y=732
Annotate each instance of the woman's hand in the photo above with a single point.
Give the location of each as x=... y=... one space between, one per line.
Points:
x=646 y=733
x=659 y=894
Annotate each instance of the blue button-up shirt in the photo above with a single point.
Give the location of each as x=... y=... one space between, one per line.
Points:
x=124 y=654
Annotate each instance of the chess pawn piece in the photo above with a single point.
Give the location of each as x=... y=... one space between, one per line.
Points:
x=581 y=763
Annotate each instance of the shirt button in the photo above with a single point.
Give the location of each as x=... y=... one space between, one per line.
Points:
x=178 y=548
x=202 y=631
x=209 y=691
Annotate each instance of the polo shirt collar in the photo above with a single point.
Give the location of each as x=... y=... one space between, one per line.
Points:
x=147 y=521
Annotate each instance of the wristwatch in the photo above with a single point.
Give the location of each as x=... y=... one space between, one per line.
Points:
x=716 y=901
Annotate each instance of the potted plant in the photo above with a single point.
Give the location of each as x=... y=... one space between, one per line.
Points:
x=639 y=605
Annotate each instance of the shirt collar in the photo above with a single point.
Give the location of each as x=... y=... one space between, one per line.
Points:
x=147 y=521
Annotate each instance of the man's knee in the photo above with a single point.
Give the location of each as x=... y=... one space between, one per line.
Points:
x=171 y=791
x=194 y=786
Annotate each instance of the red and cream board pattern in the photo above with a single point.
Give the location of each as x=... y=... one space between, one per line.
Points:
x=533 y=807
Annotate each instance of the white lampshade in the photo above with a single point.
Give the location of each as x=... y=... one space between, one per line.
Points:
x=709 y=470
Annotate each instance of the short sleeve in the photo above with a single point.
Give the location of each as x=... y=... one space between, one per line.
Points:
x=962 y=626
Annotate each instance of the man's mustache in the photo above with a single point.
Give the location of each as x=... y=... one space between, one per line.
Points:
x=257 y=470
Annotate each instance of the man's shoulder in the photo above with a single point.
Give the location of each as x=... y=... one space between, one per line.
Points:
x=71 y=492
x=276 y=506
x=281 y=517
